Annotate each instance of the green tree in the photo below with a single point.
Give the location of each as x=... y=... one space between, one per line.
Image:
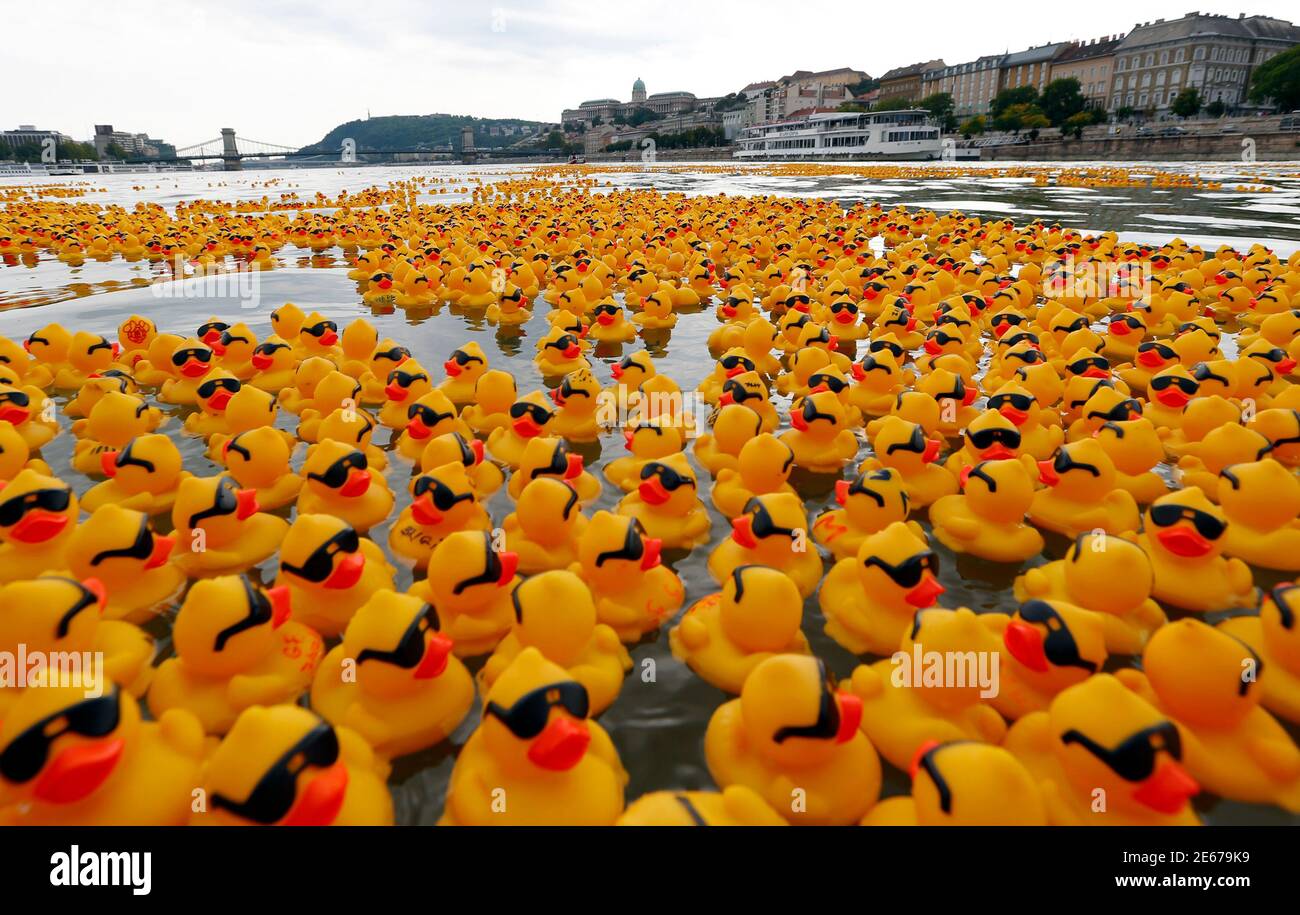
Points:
x=940 y=105
x=1278 y=79
x=894 y=103
x=1061 y=100
x=863 y=86
x=114 y=151
x=1216 y=108
x=850 y=106
x=641 y=116
x=1076 y=122
x=554 y=140
x=1023 y=95
x=1098 y=115
x=1021 y=116
x=1124 y=112
x=1187 y=103
x=973 y=127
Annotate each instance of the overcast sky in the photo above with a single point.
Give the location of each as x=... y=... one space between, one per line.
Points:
x=287 y=72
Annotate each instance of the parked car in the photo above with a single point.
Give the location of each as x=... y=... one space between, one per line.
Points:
x=1229 y=128
x=1173 y=132
x=1143 y=132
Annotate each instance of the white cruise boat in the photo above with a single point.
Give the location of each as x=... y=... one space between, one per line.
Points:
x=907 y=134
x=14 y=169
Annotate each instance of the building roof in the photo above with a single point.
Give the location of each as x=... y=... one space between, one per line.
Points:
x=1035 y=55
x=764 y=84
x=1196 y=25
x=600 y=101
x=809 y=74
x=672 y=95
x=1098 y=47
x=638 y=85
x=912 y=70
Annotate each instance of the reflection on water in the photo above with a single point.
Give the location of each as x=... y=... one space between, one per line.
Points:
x=659 y=719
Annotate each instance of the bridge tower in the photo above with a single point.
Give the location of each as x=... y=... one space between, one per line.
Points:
x=467 y=154
x=229 y=151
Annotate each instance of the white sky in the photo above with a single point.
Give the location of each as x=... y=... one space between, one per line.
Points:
x=287 y=72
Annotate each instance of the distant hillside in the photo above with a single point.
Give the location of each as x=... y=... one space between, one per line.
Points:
x=424 y=131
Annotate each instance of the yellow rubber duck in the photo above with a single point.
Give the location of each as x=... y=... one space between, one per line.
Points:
x=220 y=528
x=469 y=453
x=393 y=679
x=545 y=526
x=795 y=740
x=647 y=441
x=1207 y=681
x=1202 y=462
x=464 y=368
x=191 y=362
x=1046 y=646
x=444 y=500
x=555 y=614
x=319 y=337
x=56 y=613
x=31 y=414
x=1136 y=448
x=78 y=760
x=1101 y=756
x=38 y=515
x=578 y=402
x=537 y=745
x=143 y=476
x=667 y=504
x=339 y=481
x=877 y=382
x=471 y=584
x=987 y=518
x=819 y=436
x=964 y=783
x=114 y=421
x=336 y=391
x=337 y=779
x=869 y=503
x=275 y=365
x=656 y=311
x=249 y=408
x=88 y=355
x=1261 y=503
x=772 y=531
x=236 y=647
x=634 y=592
x=763 y=467
x=234 y=350
x=1183 y=534
x=330 y=571
x=300 y=394
x=723 y=636
x=547 y=456
x=494 y=394
x=433 y=414
x=869 y=600
x=1081 y=495
x=734 y=806
x=749 y=390
x=511 y=308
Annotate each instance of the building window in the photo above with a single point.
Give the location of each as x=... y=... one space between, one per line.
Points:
x=1199 y=53
x=1164 y=58
x=1179 y=55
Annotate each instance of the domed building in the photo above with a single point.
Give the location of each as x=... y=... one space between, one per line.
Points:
x=607 y=110
x=638 y=91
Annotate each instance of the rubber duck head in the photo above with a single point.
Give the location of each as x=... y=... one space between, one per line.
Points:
x=466 y=364
x=318 y=334
x=1203 y=675
x=495 y=391
x=256 y=458
x=387 y=355
x=903 y=445
x=14 y=452
x=1081 y=471
x=35 y=509
x=530 y=414
x=760 y=609
x=49 y=345
x=1197 y=341
x=359 y=340
x=469 y=572
x=614 y=549
x=1043 y=380
x=147 y=463
x=1017 y=403
x=547 y=456
x=136 y=333
x=1263 y=494
x=225 y=625
x=407 y=383
x=398 y=644
x=765 y=463
x=322 y=552
x=873 y=499
x=945 y=385
x=347 y=424
x=1107 y=737
x=633 y=369
x=965 y=782
x=89 y=352
x=1277 y=616
x=117 y=545
x=578 y=392
x=792 y=715
x=116 y=418
x=668 y=484
x=1112 y=574
x=431 y=415
x=214 y=504
x=210 y=331
x=192 y=359
x=249 y=408
x=53 y=612
x=59 y=745
x=235 y=345
x=266 y=749
x=992 y=437
x=771 y=527
x=452 y=448
x=548 y=511
x=273 y=355
x=900 y=566
x=735 y=426
x=335 y=470
x=213 y=394
x=334 y=391
x=443 y=495
x=535 y=717
x=819 y=416
x=555 y=613
x=1057 y=643
x=1281 y=427
x=1186 y=524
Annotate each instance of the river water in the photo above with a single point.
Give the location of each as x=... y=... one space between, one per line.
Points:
x=659 y=719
